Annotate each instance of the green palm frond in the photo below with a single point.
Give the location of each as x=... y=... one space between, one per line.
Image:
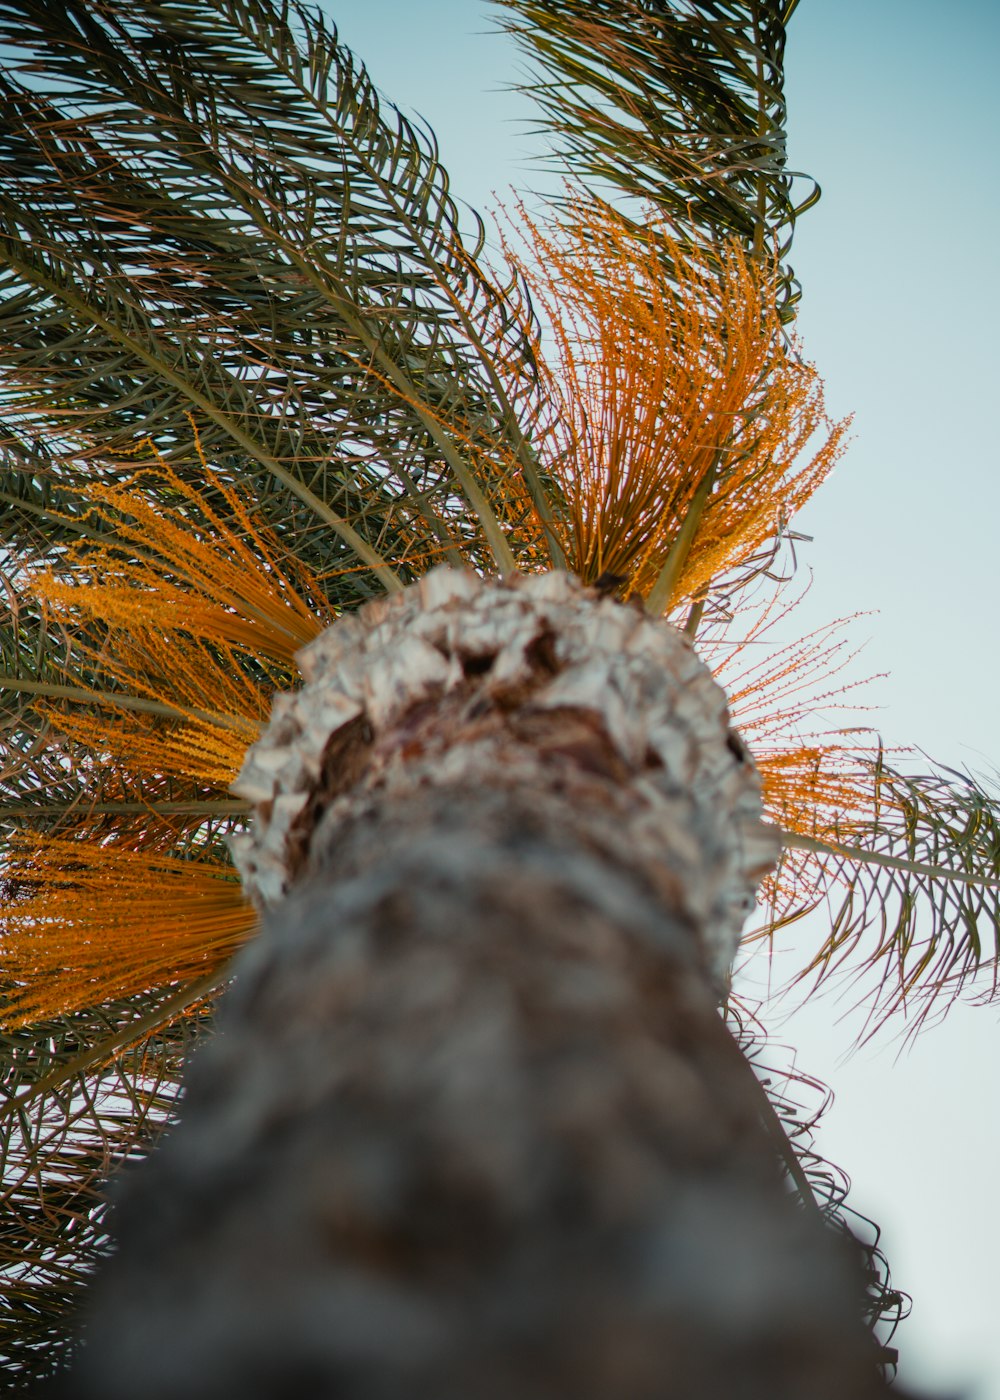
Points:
x=205 y=209
x=913 y=894
x=676 y=103
x=792 y=1105
x=84 y=1091
x=80 y=1094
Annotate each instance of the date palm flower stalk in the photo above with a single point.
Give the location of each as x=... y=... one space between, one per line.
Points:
x=180 y=623
x=684 y=422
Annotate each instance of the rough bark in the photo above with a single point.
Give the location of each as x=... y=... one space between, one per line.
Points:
x=471 y=1126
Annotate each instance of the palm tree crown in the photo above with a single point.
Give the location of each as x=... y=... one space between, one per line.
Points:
x=256 y=377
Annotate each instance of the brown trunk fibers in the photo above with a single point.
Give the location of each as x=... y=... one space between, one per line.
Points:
x=471 y=1128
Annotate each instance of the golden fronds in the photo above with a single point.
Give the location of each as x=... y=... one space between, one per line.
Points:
x=198 y=707
x=683 y=411
x=821 y=789
x=215 y=573
x=208 y=751
x=87 y=921
x=189 y=617
x=180 y=615
x=816 y=783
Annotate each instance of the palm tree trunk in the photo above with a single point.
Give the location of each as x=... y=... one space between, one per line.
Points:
x=471 y=1126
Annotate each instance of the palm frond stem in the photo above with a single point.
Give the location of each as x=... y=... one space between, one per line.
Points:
x=659 y=596
x=30 y=272
x=211 y=807
x=696 y=613
x=129 y=1034
x=118 y=701
x=797 y=841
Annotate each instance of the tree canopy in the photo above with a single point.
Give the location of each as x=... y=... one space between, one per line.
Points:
x=255 y=374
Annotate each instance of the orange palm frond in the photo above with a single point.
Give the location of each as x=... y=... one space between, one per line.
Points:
x=817 y=783
x=205 y=751
x=820 y=789
x=203 y=708
x=179 y=621
x=222 y=575
x=680 y=400
x=88 y=921
x=191 y=609
x=778 y=695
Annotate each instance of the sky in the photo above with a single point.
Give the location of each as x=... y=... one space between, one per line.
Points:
x=894 y=107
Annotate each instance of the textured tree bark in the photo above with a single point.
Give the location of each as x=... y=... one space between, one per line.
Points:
x=471 y=1126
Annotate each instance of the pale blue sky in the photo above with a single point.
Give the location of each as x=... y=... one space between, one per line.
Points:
x=895 y=109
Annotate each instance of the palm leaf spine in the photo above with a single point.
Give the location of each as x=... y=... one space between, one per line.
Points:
x=795 y=840
x=240 y=437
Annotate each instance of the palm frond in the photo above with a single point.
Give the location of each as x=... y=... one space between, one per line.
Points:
x=139 y=560
x=675 y=103
x=113 y=792
x=205 y=208
x=792 y=1107
x=904 y=867
x=913 y=893
x=165 y=617
x=814 y=780
x=81 y=1093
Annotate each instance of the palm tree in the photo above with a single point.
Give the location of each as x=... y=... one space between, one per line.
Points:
x=472 y=1082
